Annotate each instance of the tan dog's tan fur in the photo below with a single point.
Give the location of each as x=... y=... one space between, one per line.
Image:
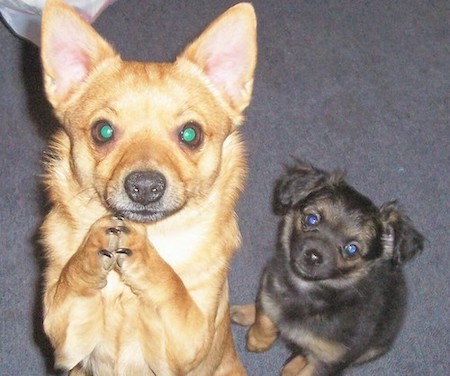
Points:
x=164 y=309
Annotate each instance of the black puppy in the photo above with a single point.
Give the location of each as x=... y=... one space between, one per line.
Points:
x=335 y=290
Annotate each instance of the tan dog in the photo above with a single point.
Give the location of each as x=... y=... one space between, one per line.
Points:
x=143 y=177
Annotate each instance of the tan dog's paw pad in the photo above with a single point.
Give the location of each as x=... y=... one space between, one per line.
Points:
x=118 y=230
x=122 y=254
x=108 y=255
x=105 y=237
x=120 y=236
x=125 y=241
x=106 y=259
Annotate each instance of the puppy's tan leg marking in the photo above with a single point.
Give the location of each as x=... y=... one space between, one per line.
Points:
x=262 y=334
x=294 y=366
x=308 y=370
x=243 y=314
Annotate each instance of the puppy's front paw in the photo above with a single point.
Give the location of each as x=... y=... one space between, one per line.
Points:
x=294 y=366
x=258 y=342
x=262 y=334
x=243 y=314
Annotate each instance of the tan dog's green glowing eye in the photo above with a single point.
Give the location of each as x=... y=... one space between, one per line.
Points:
x=102 y=132
x=191 y=135
x=106 y=131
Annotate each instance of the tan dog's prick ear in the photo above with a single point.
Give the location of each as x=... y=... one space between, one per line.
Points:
x=226 y=52
x=70 y=50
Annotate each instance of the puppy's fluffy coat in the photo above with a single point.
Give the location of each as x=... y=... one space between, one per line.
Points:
x=143 y=178
x=335 y=290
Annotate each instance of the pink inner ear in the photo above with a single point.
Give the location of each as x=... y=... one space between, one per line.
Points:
x=68 y=55
x=227 y=61
x=226 y=71
x=70 y=65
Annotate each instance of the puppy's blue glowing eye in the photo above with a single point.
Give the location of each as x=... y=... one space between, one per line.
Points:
x=351 y=250
x=312 y=219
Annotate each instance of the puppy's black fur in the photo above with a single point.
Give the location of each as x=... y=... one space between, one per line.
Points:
x=335 y=289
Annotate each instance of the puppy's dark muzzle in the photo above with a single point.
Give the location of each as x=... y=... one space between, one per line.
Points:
x=312 y=259
x=145 y=187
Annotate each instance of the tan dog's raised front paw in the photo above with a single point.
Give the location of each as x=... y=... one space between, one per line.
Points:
x=132 y=252
x=132 y=245
x=114 y=229
x=88 y=268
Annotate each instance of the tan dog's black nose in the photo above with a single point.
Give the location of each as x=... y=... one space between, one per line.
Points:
x=145 y=187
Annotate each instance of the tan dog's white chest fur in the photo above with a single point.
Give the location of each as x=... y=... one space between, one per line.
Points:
x=143 y=178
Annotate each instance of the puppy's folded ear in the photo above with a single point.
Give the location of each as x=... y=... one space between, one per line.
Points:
x=401 y=240
x=226 y=53
x=299 y=181
x=71 y=50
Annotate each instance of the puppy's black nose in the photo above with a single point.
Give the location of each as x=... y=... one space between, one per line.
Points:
x=145 y=187
x=313 y=257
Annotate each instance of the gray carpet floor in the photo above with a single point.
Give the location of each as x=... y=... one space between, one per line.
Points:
x=357 y=85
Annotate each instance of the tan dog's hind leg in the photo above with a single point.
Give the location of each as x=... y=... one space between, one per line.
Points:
x=230 y=364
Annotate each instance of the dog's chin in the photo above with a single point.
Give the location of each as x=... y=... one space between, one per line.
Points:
x=149 y=214
x=335 y=280
x=153 y=212
x=143 y=216
x=308 y=274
